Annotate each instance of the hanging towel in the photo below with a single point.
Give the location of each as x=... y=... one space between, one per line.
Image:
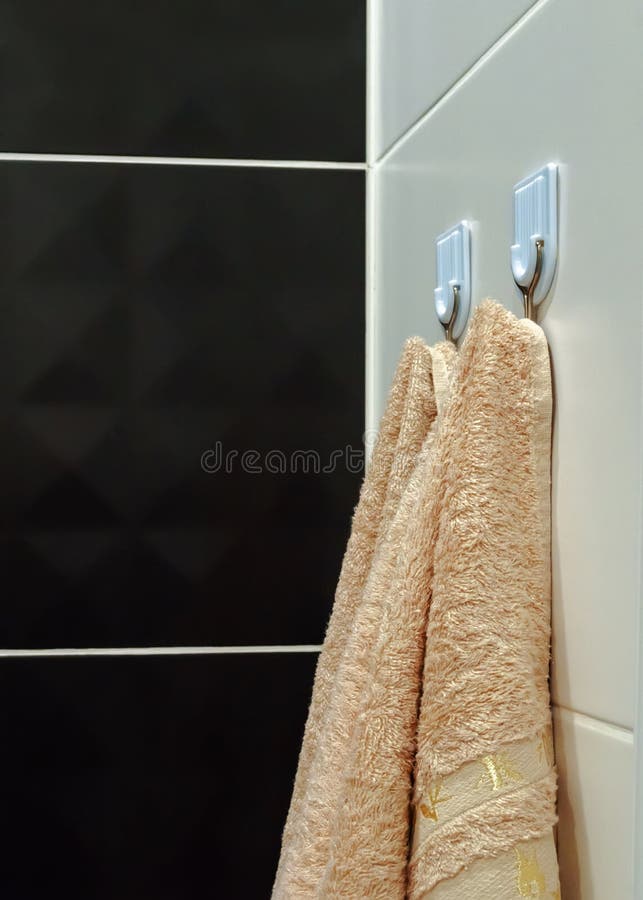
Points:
x=410 y=412
x=370 y=825
x=485 y=785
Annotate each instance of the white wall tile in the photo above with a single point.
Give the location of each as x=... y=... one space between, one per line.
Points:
x=563 y=87
x=596 y=809
x=419 y=49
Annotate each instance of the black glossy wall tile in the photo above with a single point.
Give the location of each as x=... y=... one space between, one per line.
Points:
x=283 y=79
x=141 y=777
x=150 y=314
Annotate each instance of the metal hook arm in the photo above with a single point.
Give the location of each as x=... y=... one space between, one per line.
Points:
x=528 y=292
x=448 y=328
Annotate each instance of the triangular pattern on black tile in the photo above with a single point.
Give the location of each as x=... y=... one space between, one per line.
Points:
x=135 y=570
x=68 y=382
x=87 y=373
x=71 y=432
x=27 y=468
x=193 y=262
x=91 y=243
x=35 y=216
x=43 y=324
x=156 y=345
x=188 y=125
x=194 y=553
x=308 y=381
x=72 y=553
x=191 y=379
x=67 y=501
x=146 y=455
x=38 y=581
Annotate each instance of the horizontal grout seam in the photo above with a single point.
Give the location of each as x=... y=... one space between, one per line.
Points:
x=182 y=161
x=612 y=729
x=162 y=651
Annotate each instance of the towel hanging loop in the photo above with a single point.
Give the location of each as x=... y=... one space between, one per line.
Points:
x=528 y=291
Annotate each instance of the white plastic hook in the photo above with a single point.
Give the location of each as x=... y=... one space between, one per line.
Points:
x=453 y=277
x=534 y=252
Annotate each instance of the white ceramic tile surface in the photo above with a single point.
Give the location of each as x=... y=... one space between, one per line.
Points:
x=638 y=775
x=596 y=808
x=419 y=49
x=543 y=96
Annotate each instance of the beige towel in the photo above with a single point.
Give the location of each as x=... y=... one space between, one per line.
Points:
x=370 y=826
x=468 y=533
x=410 y=411
x=485 y=782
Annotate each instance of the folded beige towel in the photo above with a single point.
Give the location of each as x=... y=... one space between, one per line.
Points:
x=485 y=784
x=410 y=411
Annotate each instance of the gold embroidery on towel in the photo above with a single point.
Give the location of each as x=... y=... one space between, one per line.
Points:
x=448 y=796
x=428 y=809
x=531 y=880
x=498 y=771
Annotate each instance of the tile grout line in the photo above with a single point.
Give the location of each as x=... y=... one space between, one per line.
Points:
x=637 y=798
x=162 y=651
x=461 y=80
x=182 y=161
x=371 y=424
x=371 y=96
x=595 y=722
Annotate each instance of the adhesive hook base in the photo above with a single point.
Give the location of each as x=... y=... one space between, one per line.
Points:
x=534 y=253
x=452 y=296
